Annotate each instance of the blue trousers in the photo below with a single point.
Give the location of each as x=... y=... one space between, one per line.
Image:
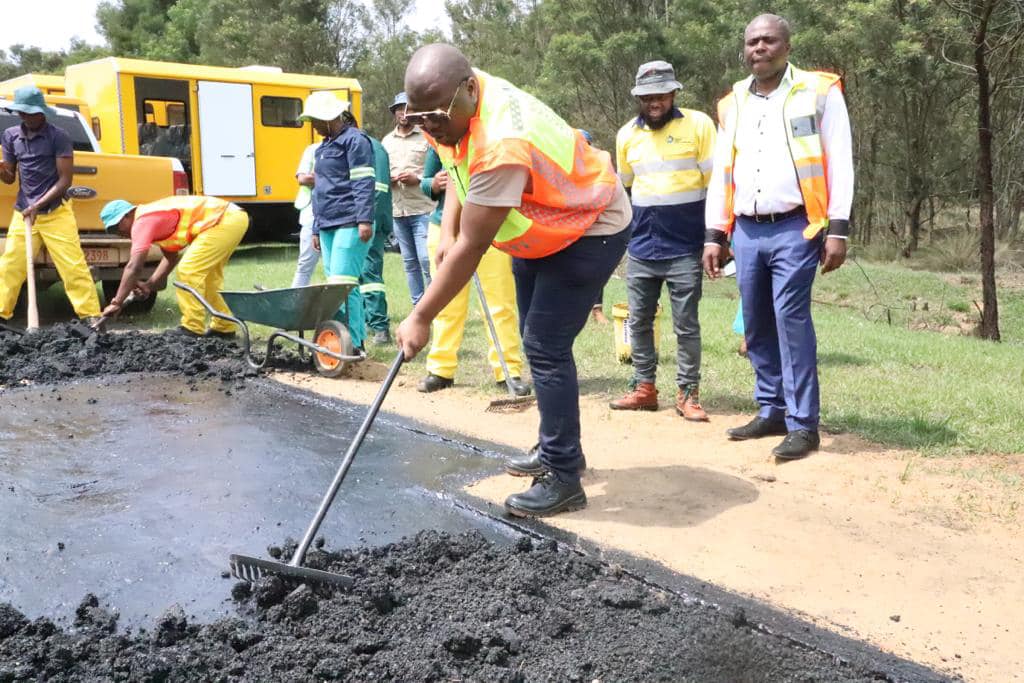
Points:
x=411 y=232
x=775 y=269
x=555 y=295
x=344 y=255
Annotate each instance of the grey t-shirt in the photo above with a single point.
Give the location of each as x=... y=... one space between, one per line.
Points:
x=504 y=186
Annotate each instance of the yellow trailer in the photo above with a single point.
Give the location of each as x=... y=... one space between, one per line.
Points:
x=48 y=83
x=235 y=130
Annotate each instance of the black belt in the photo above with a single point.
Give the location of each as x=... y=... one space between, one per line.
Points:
x=776 y=217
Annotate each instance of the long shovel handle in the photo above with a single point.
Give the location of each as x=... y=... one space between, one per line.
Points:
x=494 y=335
x=350 y=454
x=32 y=322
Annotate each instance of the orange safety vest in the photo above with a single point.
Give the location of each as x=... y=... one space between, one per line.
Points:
x=571 y=183
x=197 y=214
x=803 y=111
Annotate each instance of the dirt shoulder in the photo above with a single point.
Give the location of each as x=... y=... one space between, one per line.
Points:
x=921 y=557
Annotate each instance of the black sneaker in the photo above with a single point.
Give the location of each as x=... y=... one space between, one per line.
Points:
x=529 y=465
x=547 y=496
x=217 y=334
x=757 y=428
x=798 y=444
x=432 y=383
x=381 y=338
x=519 y=387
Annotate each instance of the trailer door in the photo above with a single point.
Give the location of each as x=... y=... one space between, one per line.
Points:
x=227 y=149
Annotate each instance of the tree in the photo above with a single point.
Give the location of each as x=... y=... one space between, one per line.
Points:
x=994 y=26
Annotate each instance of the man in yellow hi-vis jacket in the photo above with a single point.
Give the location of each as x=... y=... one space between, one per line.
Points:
x=210 y=228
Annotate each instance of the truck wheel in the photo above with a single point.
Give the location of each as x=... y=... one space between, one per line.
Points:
x=136 y=307
x=332 y=335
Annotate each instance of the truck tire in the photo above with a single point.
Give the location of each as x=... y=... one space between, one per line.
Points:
x=136 y=307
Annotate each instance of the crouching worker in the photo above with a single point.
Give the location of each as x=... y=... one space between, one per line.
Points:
x=208 y=227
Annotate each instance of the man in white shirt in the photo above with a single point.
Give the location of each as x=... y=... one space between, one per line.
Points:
x=782 y=187
x=308 y=256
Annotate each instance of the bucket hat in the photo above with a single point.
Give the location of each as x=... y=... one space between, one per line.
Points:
x=655 y=78
x=113 y=212
x=28 y=99
x=322 y=106
x=400 y=101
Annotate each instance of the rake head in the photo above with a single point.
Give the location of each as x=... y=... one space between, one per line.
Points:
x=511 y=405
x=252 y=568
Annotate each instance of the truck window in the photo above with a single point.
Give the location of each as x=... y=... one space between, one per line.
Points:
x=163 y=120
x=69 y=124
x=282 y=112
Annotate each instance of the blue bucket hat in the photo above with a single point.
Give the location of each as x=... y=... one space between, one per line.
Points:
x=113 y=212
x=400 y=101
x=28 y=99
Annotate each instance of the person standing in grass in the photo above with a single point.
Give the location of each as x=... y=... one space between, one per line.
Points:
x=343 y=203
x=664 y=157
x=308 y=256
x=782 y=187
x=371 y=282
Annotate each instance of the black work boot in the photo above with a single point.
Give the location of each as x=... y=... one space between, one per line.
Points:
x=797 y=444
x=519 y=387
x=547 y=496
x=757 y=428
x=432 y=383
x=529 y=465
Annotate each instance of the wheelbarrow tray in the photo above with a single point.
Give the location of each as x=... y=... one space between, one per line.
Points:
x=291 y=308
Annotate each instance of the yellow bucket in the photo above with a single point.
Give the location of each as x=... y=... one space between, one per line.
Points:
x=623 y=344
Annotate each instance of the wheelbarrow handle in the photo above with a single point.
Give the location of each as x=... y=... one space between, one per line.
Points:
x=350 y=454
x=246 y=347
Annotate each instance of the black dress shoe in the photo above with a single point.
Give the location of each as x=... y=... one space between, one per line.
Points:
x=432 y=383
x=757 y=428
x=519 y=387
x=547 y=496
x=797 y=444
x=529 y=465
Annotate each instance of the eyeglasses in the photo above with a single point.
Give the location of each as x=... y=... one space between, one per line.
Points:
x=437 y=116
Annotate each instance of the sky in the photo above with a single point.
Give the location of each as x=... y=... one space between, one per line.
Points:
x=62 y=20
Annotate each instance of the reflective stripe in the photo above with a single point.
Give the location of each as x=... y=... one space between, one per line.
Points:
x=343 y=280
x=372 y=287
x=361 y=172
x=626 y=178
x=381 y=187
x=663 y=165
x=671 y=198
x=706 y=165
x=810 y=171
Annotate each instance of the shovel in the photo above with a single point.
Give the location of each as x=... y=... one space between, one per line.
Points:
x=513 y=401
x=293 y=573
x=102 y=320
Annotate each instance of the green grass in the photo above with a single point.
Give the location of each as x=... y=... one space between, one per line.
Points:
x=884 y=375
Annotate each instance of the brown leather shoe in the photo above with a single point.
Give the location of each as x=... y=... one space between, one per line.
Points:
x=688 y=404
x=643 y=397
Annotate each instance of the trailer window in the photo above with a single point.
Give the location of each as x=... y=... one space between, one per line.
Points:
x=282 y=112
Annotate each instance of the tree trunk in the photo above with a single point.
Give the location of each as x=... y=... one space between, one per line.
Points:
x=986 y=185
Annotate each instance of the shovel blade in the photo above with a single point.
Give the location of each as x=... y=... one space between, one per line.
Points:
x=253 y=568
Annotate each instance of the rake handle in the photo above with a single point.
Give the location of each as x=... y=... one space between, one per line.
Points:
x=350 y=454
x=494 y=334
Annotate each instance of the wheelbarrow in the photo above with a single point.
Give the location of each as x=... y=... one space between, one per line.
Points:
x=293 y=308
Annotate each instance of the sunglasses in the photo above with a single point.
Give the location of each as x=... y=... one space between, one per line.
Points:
x=435 y=117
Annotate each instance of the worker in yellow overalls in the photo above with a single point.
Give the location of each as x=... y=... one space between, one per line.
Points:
x=41 y=156
x=208 y=227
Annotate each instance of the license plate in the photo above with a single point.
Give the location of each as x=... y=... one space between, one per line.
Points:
x=100 y=256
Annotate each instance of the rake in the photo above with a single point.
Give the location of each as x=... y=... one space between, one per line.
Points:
x=514 y=401
x=293 y=573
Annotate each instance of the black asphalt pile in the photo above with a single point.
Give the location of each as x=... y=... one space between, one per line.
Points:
x=431 y=608
x=65 y=352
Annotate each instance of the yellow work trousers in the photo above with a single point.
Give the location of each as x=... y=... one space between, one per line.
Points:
x=59 y=232
x=495 y=271
x=202 y=267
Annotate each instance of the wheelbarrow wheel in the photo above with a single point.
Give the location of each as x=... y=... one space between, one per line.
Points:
x=333 y=336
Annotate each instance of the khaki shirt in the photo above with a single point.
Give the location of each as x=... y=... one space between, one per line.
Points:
x=408 y=153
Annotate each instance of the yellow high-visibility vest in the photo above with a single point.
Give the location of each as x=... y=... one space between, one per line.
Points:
x=197 y=214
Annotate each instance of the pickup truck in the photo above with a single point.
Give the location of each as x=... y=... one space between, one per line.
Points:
x=99 y=178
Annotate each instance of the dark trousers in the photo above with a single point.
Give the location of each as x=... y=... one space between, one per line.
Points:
x=775 y=269
x=371 y=284
x=555 y=295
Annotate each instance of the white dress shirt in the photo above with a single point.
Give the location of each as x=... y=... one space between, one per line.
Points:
x=763 y=172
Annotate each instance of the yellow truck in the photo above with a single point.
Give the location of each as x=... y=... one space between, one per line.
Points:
x=52 y=88
x=98 y=178
x=236 y=131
